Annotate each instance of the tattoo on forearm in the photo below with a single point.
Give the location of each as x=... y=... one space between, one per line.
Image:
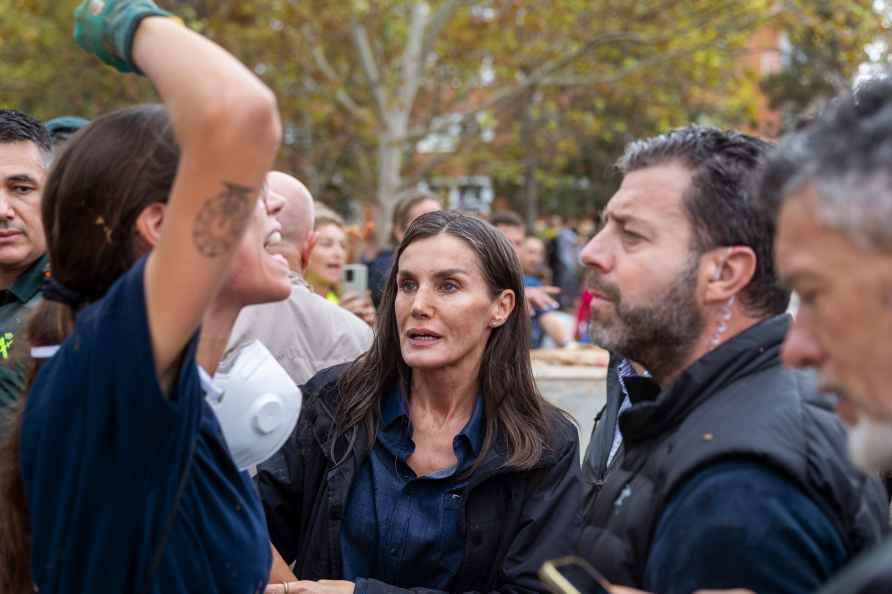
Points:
x=220 y=222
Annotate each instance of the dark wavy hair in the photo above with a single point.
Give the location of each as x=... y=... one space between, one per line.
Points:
x=518 y=419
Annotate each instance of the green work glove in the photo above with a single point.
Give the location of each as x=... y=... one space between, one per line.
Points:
x=105 y=28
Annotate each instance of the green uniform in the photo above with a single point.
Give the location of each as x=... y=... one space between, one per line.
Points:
x=16 y=304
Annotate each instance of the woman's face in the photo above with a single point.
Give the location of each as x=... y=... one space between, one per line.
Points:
x=328 y=257
x=258 y=275
x=444 y=310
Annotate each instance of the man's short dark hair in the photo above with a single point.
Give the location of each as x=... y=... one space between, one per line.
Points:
x=16 y=126
x=721 y=203
x=845 y=153
x=506 y=218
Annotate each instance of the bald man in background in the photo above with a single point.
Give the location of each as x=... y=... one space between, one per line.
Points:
x=305 y=333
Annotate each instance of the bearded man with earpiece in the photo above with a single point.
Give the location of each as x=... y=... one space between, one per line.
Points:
x=731 y=471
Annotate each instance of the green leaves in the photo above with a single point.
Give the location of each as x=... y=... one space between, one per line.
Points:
x=824 y=49
x=584 y=76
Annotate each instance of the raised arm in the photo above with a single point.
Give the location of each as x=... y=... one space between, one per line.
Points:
x=226 y=123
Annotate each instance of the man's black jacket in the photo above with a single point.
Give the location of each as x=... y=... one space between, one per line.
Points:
x=735 y=403
x=595 y=461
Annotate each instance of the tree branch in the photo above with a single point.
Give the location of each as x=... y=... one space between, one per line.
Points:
x=413 y=58
x=328 y=71
x=543 y=75
x=437 y=23
x=661 y=58
x=464 y=142
x=536 y=77
x=370 y=68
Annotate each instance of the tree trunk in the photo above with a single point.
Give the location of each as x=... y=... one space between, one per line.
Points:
x=390 y=163
x=530 y=188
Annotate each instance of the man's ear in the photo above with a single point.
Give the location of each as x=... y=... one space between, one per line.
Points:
x=309 y=246
x=148 y=226
x=730 y=270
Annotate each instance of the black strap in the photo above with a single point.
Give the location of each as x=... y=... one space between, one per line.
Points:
x=168 y=523
x=858 y=574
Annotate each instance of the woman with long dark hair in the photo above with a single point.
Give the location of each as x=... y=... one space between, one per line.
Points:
x=431 y=462
x=119 y=478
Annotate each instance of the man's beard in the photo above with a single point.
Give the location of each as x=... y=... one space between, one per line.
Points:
x=870 y=445
x=660 y=333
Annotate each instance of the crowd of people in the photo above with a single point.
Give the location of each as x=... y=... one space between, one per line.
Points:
x=196 y=401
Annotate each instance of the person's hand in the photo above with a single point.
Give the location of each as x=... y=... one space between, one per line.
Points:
x=281 y=572
x=105 y=28
x=540 y=297
x=361 y=306
x=308 y=587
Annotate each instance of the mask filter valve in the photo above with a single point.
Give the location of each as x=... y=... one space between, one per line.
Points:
x=257 y=404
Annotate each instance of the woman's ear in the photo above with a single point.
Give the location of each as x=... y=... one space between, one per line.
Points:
x=502 y=308
x=148 y=227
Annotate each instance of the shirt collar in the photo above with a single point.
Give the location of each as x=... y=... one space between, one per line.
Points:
x=28 y=284
x=474 y=429
x=626 y=375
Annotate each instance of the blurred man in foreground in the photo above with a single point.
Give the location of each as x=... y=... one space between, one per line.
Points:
x=830 y=188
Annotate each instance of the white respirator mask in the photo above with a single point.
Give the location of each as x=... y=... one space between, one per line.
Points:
x=256 y=402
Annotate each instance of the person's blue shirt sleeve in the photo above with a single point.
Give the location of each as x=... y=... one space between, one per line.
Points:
x=742 y=525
